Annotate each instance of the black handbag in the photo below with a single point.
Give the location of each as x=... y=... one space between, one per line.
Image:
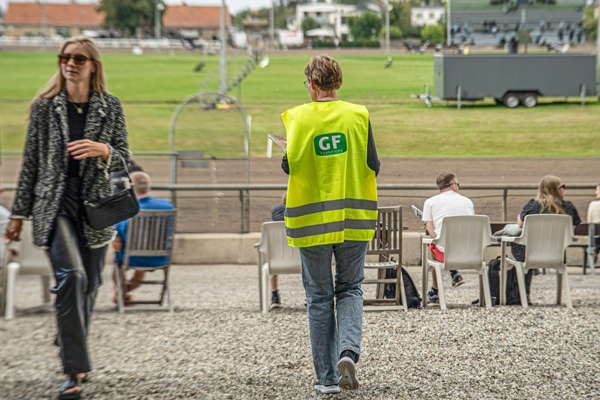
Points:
x=113 y=209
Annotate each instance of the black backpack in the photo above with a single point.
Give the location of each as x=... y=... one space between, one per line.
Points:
x=413 y=299
x=512 y=285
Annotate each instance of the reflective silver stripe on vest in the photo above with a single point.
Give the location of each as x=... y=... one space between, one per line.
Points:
x=330 y=205
x=330 y=227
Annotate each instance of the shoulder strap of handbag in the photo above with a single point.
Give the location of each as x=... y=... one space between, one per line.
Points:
x=125 y=168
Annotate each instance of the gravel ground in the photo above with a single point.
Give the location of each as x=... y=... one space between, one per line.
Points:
x=217 y=345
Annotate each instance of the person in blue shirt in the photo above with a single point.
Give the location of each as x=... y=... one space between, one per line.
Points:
x=142 y=186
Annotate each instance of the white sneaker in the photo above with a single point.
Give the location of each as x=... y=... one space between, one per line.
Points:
x=327 y=389
x=348 y=379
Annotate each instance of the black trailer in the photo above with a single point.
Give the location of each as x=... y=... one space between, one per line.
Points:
x=512 y=79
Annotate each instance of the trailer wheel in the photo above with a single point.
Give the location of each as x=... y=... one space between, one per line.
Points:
x=529 y=100
x=511 y=100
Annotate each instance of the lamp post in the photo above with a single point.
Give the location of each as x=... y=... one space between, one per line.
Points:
x=272 y=24
x=449 y=25
x=44 y=26
x=223 y=88
x=157 y=10
x=387 y=27
x=598 y=44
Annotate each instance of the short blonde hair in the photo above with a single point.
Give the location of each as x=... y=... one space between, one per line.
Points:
x=325 y=72
x=141 y=182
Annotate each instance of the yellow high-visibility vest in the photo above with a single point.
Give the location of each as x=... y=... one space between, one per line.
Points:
x=332 y=193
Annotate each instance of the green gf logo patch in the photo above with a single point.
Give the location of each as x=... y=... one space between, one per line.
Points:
x=330 y=144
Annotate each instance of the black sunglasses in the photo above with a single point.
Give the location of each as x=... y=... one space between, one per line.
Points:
x=78 y=59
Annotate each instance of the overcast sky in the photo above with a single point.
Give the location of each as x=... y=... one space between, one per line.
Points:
x=234 y=5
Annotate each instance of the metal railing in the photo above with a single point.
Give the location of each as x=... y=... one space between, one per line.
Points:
x=244 y=192
x=120 y=43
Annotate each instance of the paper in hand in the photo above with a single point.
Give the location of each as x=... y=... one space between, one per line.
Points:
x=279 y=141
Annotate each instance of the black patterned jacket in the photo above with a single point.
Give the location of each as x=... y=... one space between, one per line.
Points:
x=45 y=163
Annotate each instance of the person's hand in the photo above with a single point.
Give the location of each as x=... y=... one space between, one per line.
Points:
x=13 y=230
x=85 y=148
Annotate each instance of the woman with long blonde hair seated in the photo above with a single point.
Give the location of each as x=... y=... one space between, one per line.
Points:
x=550 y=200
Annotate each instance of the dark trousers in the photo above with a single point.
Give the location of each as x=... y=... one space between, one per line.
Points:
x=78 y=274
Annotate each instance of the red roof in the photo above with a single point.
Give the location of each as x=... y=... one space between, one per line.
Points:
x=194 y=17
x=71 y=14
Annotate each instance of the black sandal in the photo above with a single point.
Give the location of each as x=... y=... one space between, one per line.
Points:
x=69 y=384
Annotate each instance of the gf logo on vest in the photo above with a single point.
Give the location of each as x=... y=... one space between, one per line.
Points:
x=330 y=144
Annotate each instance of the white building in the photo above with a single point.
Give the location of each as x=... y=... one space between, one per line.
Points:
x=331 y=17
x=426 y=15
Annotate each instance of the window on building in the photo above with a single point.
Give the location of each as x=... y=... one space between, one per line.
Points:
x=305 y=14
x=343 y=20
x=431 y=15
x=318 y=14
x=419 y=16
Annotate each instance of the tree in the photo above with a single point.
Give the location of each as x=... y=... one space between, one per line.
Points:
x=236 y=20
x=127 y=15
x=433 y=33
x=366 y=26
x=400 y=17
x=280 y=13
x=309 y=23
x=395 y=32
x=590 y=24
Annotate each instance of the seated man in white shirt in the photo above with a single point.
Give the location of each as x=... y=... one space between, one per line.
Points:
x=447 y=203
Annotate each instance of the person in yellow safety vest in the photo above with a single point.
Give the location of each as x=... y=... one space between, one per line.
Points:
x=331 y=208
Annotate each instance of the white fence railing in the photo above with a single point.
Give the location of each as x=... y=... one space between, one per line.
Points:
x=106 y=43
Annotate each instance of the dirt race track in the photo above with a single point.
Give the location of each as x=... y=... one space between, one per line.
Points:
x=220 y=211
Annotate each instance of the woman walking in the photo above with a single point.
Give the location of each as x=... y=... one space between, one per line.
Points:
x=76 y=136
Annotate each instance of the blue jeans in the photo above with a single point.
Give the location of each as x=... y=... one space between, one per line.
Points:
x=327 y=339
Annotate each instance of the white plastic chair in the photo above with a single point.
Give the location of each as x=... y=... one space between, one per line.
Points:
x=29 y=261
x=281 y=258
x=464 y=239
x=546 y=236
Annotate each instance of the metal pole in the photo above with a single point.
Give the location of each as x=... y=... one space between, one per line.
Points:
x=272 y=25
x=387 y=27
x=449 y=38
x=590 y=249
x=156 y=26
x=44 y=27
x=598 y=45
x=223 y=89
x=504 y=207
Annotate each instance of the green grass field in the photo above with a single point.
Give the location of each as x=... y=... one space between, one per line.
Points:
x=151 y=86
